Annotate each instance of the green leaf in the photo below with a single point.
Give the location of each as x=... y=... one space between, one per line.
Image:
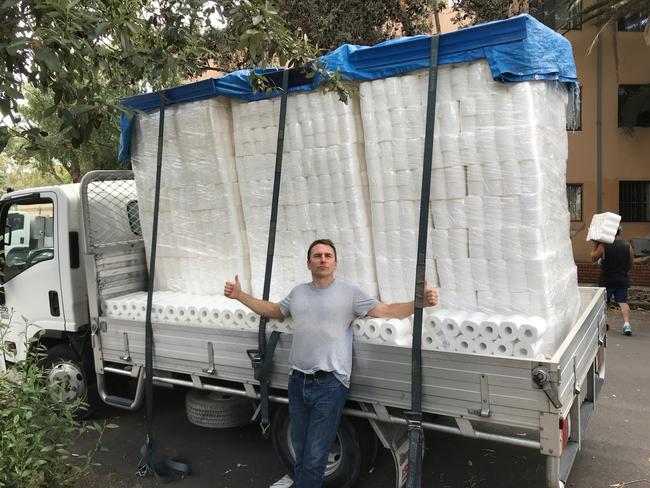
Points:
x=80 y=109
x=11 y=91
x=46 y=55
x=12 y=49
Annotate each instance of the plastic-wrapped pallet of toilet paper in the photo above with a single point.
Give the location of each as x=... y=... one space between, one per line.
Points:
x=603 y=227
x=498 y=244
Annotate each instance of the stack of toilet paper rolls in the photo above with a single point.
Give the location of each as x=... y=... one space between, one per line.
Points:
x=603 y=227
x=184 y=309
x=200 y=214
x=466 y=332
x=477 y=332
x=323 y=192
x=498 y=222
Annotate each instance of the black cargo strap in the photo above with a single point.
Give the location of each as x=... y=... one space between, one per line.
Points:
x=414 y=416
x=152 y=463
x=262 y=359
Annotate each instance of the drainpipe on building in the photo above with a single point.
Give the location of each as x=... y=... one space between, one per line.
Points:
x=599 y=123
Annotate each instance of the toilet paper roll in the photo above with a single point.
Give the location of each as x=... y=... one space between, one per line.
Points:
x=462 y=270
x=456 y=213
x=169 y=313
x=358 y=327
x=252 y=321
x=182 y=314
x=439 y=243
x=516 y=270
x=498 y=274
x=239 y=317
x=509 y=327
x=455 y=182
x=215 y=316
x=204 y=315
x=464 y=344
x=193 y=313
x=433 y=321
x=474 y=211
x=483 y=345
x=519 y=302
x=503 y=347
x=470 y=326
x=489 y=327
x=393 y=330
x=458 y=243
x=523 y=349
x=373 y=329
x=480 y=275
x=532 y=329
x=446 y=275
x=451 y=323
x=227 y=318
x=476 y=243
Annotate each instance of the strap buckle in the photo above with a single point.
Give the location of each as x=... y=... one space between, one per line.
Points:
x=413 y=421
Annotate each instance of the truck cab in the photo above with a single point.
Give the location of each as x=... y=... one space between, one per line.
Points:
x=42 y=282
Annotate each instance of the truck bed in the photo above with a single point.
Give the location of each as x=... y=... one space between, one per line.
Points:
x=453 y=384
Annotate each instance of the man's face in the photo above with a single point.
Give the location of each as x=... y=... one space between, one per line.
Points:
x=321 y=261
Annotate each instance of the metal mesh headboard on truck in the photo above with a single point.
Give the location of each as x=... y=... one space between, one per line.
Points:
x=113 y=233
x=110 y=209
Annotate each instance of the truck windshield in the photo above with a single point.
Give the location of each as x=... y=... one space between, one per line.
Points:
x=29 y=236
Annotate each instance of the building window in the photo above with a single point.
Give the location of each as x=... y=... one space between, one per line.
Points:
x=574 y=197
x=633 y=22
x=568 y=15
x=634 y=106
x=574 y=111
x=634 y=201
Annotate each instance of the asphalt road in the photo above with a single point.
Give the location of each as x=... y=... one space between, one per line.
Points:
x=615 y=451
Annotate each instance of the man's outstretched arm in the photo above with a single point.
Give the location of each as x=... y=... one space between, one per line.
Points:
x=403 y=309
x=232 y=289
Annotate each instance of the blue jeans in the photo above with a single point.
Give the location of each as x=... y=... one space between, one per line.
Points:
x=315 y=407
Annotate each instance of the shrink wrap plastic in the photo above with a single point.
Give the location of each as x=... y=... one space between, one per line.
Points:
x=498 y=237
x=603 y=227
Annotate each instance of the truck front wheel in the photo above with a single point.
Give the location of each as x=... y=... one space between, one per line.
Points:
x=351 y=454
x=65 y=371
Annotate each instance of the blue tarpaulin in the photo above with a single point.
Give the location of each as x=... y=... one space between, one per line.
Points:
x=516 y=49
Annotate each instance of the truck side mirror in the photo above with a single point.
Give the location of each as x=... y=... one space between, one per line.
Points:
x=3 y=299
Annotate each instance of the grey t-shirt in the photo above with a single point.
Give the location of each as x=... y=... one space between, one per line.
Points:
x=322 y=333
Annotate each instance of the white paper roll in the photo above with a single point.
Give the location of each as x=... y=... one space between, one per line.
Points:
x=215 y=316
x=239 y=317
x=252 y=320
x=489 y=327
x=451 y=323
x=502 y=347
x=227 y=318
x=470 y=325
x=532 y=329
x=464 y=344
x=509 y=327
x=523 y=349
x=393 y=330
x=358 y=327
x=483 y=345
x=373 y=330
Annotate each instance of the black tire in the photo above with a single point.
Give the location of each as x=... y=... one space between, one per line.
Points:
x=346 y=459
x=62 y=364
x=368 y=444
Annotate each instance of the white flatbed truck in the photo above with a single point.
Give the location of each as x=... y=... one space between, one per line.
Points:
x=97 y=252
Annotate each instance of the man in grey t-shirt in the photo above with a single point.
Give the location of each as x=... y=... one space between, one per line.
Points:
x=321 y=353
